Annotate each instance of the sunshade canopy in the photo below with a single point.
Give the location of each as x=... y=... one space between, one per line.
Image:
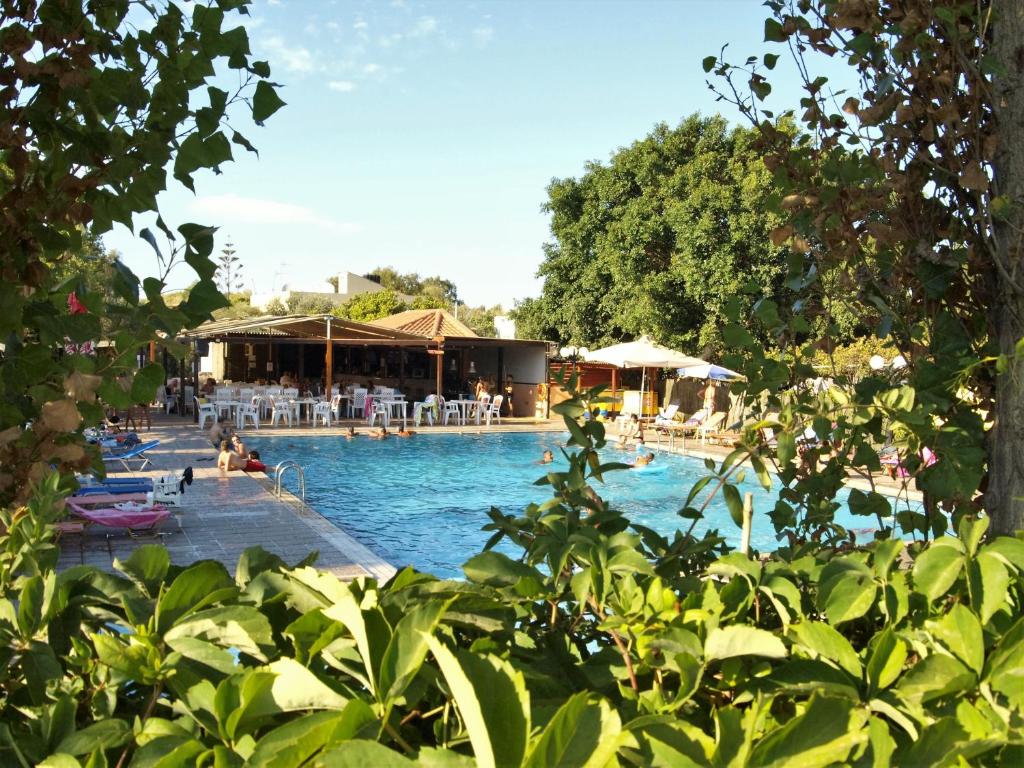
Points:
x=643 y=353
x=709 y=371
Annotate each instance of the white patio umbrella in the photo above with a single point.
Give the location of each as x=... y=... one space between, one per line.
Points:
x=643 y=353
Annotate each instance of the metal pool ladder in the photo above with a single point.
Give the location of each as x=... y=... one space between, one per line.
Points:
x=279 y=470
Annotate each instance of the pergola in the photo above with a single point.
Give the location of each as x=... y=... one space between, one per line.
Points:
x=330 y=331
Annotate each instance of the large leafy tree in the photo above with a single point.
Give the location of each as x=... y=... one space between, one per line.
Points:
x=657 y=240
x=98 y=101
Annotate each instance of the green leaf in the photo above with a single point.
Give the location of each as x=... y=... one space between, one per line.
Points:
x=739 y=640
x=709 y=63
x=237 y=626
x=265 y=102
x=847 y=590
x=191 y=590
x=825 y=734
x=937 y=568
x=498 y=570
x=146 y=382
x=105 y=734
x=773 y=32
x=786 y=447
x=359 y=753
x=826 y=642
x=408 y=648
x=885 y=664
x=147 y=566
x=960 y=631
x=584 y=732
x=933 y=677
x=734 y=503
x=291 y=744
x=492 y=699
x=987 y=581
x=1004 y=668
x=296 y=688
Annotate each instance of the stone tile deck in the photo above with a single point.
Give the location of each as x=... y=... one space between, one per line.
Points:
x=223 y=514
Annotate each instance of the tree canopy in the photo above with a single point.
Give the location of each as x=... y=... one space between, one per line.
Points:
x=657 y=240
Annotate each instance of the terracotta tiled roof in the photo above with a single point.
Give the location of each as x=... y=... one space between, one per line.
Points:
x=425 y=322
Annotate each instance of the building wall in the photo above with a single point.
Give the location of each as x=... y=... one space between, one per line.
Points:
x=528 y=365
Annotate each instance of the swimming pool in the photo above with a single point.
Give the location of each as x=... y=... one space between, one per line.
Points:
x=422 y=501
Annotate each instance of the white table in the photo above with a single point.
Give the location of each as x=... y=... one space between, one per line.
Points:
x=297 y=404
x=464 y=407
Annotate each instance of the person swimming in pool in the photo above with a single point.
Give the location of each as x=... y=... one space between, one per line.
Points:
x=379 y=434
x=547 y=458
x=350 y=433
x=643 y=460
x=404 y=433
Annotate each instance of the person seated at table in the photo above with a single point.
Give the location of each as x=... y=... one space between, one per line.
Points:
x=378 y=434
x=480 y=390
x=547 y=458
x=220 y=431
x=209 y=387
x=238 y=446
x=403 y=432
x=349 y=433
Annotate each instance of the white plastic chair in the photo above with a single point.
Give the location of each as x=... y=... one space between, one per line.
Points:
x=493 y=409
x=426 y=406
x=379 y=409
x=190 y=395
x=357 y=403
x=336 y=405
x=206 y=411
x=280 y=409
x=322 y=412
x=250 y=411
x=448 y=410
x=481 y=406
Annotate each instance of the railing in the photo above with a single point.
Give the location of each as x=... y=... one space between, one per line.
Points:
x=279 y=471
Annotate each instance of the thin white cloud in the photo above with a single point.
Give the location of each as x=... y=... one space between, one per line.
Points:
x=360 y=25
x=426 y=25
x=293 y=58
x=482 y=36
x=372 y=69
x=341 y=86
x=386 y=41
x=254 y=210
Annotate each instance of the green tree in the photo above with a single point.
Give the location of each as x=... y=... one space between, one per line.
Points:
x=333 y=282
x=370 y=306
x=393 y=280
x=229 y=270
x=276 y=307
x=96 y=108
x=658 y=240
x=480 y=319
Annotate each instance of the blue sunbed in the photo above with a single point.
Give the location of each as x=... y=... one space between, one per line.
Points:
x=136 y=453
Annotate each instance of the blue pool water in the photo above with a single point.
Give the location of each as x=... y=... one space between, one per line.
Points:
x=423 y=500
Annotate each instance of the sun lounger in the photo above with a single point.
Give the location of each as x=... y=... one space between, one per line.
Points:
x=134 y=454
x=134 y=485
x=107 y=499
x=135 y=521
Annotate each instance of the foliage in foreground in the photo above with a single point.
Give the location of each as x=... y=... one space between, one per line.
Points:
x=603 y=643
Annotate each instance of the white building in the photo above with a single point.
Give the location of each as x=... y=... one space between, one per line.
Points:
x=349 y=285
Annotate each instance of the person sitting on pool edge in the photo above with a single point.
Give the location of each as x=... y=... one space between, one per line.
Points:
x=219 y=432
x=547 y=458
x=378 y=434
x=229 y=460
x=238 y=446
x=628 y=430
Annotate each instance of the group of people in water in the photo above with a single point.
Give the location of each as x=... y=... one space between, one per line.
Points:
x=632 y=431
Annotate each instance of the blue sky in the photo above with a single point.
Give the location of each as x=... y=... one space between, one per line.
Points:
x=422 y=135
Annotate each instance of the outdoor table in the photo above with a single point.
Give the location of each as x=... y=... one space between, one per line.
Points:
x=309 y=402
x=464 y=407
x=393 y=405
x=226 y=406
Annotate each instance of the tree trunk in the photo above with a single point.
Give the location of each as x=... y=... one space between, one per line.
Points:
x=1005 y=494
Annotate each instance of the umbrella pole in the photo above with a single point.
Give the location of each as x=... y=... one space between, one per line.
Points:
x=643 y=381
